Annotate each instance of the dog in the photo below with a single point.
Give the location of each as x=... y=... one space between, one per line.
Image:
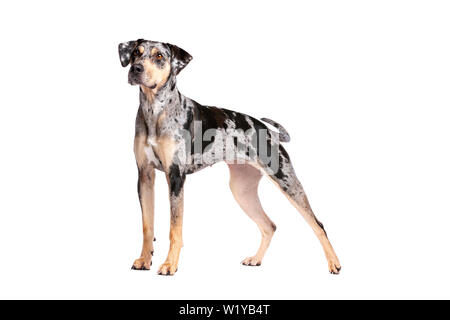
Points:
x=179 y=136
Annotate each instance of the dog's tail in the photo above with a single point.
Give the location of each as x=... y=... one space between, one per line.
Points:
x=284 y=135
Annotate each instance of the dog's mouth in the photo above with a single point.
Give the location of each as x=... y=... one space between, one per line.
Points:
x=134 y=80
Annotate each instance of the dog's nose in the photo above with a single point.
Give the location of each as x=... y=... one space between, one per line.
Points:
x=137 y=68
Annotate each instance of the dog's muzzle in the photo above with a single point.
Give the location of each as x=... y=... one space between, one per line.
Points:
x=135 y=74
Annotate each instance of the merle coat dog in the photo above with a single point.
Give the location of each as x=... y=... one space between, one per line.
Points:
x=179 y=136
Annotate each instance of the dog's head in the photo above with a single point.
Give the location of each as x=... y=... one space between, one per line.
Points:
x=152 y=63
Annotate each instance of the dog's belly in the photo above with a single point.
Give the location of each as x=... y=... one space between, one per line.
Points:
x=229 y=148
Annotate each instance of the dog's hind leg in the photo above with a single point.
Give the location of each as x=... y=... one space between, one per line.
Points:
x=286 y=179
x=301 y=203
x=244 y=180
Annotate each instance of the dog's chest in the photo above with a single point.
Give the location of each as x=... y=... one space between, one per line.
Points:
x=163 y=134
x=152 y=148
x=167 y=123
x=152 y=158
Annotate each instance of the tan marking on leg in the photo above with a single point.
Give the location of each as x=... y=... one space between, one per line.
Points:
x=301 y=203
x=170 y=266
x=140 y=143
x=146 y=198
x=244 y=180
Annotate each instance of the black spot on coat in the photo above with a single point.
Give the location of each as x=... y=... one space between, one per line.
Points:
x=189 y=118
x=176 y=180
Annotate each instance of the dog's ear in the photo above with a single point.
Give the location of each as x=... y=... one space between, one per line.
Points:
x=125 y=50
x=180 y=58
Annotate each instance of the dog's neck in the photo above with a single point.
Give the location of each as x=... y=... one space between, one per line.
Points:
x=153 y=102
x=158 y=97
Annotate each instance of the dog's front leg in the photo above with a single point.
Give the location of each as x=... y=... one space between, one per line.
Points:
x=175 y=179
x=146 y=194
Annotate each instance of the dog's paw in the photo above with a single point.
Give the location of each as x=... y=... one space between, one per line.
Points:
x=334 y=266
x=252 y=261
x=167 y=269
x=142 y=263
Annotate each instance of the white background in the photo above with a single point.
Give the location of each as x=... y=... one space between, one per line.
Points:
x=362 y=87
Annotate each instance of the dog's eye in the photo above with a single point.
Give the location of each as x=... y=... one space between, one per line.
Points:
x=159 y=56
